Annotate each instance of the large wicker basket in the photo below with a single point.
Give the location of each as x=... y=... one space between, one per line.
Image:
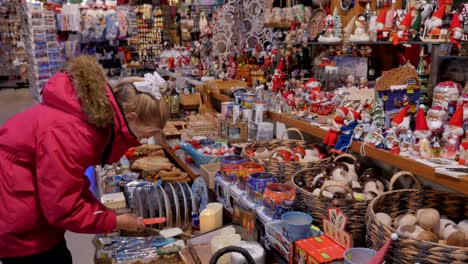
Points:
x=283 y=171
x=317 y=206
x=409 y=250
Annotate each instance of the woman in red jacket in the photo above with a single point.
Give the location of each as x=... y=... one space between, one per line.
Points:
x=45 y=150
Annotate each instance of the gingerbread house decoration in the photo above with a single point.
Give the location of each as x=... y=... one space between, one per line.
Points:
x=398 y=88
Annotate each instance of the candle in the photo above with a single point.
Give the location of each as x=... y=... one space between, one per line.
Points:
x=207 y=220
x=217 y=209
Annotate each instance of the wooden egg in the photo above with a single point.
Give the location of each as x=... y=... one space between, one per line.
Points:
x=428 y=236
x=428 y=218
x=384 y=218
x=406 y=219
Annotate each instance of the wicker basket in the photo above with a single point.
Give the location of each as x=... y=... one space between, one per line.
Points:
x=283 y=171
x=318 y=206
x=409 y=250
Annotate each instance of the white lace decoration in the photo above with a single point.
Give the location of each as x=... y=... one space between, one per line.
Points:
x=151 y=85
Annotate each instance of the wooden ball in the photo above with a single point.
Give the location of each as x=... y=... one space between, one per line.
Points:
x=428 y=218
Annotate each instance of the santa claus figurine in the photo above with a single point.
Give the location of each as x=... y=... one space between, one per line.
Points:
x=463 y=155
x=400 y=122
x=334 y=131
x=278 y=77
x=404 y=27
x=446 y=95
x=434 y=24
x=312 y=85
x=452 y=133
x=456 y=31
x=436 y=118
x=421 y=134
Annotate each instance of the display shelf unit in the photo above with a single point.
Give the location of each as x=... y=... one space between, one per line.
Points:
x=425 y=171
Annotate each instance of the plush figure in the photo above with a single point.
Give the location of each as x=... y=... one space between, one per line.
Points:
x=334 y=131
x=404 y=27
x=123 y=24
x=380 y=22
x=456 y=31
x=347 y=130
x=278 y=77
x=400 y=122
x=112 y=25
x=434 y=24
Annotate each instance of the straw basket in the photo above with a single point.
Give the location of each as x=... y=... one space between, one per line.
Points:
x=409 y=250
x=283 y=171
x=317 y=206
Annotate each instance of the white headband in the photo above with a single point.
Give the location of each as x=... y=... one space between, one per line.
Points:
x=151 y=85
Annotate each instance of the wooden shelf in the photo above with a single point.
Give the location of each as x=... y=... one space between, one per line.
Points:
x=193 y=175
x=397 y=161
x=403 y=163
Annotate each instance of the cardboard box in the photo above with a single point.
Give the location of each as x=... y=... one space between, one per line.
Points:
x=328 y=247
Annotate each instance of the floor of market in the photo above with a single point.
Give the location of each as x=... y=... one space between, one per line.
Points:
x=14 y=101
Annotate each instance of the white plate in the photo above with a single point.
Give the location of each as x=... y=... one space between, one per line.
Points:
x=159 y=197
x=167 y=205
x=151 y=202
x=185 y=216
x=174 y=199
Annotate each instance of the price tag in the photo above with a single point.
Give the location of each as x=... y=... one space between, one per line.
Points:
x=410 y=91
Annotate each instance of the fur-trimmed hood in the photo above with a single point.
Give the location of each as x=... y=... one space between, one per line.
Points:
x=81 y=90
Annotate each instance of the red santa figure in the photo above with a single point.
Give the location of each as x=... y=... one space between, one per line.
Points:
x=312 y=85
x=278 y=77
x=404 y=26
x=456 y=31
x=380 y=23
x=436 y=118
x=334 y=131
x=421 y=129
x=452 y=133
x=463 y=153
x=400 y=122
x=434 y=24
x=454 y=128
x=446 y=95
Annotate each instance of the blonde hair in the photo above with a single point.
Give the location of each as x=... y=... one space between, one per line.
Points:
x=151 y=111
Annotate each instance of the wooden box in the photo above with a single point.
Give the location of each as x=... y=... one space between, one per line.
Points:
x=234 y=132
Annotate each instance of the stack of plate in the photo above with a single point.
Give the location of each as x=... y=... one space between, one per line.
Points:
x=175 y=201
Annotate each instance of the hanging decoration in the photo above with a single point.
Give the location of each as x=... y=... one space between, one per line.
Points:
x=240 y=25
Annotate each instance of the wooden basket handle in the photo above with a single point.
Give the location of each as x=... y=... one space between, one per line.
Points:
x=397 y=175
x=344 y=155
x=292 y=129
x=301 y=171
x=336 y=184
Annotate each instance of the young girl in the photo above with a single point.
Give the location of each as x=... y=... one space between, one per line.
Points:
x=45 y=150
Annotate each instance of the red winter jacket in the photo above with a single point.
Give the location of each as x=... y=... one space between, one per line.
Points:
x=44 y=152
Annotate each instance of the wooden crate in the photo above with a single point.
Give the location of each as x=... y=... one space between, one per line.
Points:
x=226 y=127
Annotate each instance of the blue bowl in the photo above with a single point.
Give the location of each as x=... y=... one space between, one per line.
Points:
x=296 y=225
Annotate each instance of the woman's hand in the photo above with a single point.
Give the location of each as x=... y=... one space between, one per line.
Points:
x=130 y=222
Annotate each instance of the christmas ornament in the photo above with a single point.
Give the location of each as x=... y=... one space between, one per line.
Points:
x=416 y=26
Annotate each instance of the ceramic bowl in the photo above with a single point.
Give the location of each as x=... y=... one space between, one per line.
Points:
x=278 y=198
x=256 y=184
x=230 y=166
x=296 y=225
x=246 y=169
